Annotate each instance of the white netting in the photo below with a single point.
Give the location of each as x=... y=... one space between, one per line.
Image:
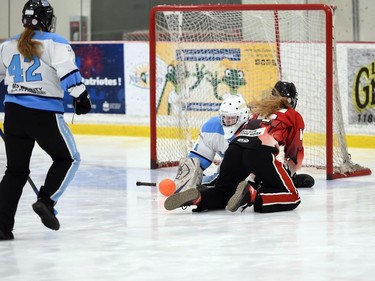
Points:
x=202 y=56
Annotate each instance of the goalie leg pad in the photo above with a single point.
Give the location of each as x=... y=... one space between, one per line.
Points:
x=189 y=174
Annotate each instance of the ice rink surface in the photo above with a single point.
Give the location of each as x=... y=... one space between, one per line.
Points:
x=113 y=230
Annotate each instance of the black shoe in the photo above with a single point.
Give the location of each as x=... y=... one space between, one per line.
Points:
x=303 y=180
x=244 y=196
x=6 y=235
x=45 y=211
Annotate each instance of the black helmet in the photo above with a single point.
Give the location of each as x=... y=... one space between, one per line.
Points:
x=38 y=14
x=287 y=90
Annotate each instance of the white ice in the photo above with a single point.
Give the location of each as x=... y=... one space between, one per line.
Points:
x=113 y=230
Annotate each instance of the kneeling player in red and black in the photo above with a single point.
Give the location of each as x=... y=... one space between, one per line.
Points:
x=274 y=122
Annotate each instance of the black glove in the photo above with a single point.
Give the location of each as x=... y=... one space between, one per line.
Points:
x=303 y=180
x=82 y=104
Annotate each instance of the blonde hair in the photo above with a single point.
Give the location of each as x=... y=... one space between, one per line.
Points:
x=269 y=104
x=27 y=46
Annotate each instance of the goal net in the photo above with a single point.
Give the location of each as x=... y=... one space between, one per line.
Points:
x=201 y=54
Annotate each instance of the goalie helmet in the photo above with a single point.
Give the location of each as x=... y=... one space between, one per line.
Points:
x=233 y=114
x=287 y=90
x=38 y=15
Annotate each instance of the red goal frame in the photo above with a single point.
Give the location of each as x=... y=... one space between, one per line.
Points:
x=328 y=10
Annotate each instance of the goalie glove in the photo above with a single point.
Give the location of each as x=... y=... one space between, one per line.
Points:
x=82 y=104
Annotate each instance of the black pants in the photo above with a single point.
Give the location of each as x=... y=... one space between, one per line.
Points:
x=277 y=193
x=22 y=128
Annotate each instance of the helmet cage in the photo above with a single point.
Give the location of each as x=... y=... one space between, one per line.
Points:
x=234 y=106
x=227 y=118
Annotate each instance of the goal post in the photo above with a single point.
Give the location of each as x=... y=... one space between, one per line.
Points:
x=200 y=54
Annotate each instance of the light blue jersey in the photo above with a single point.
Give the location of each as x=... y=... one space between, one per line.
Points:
x=210 y=142
x=41 y=82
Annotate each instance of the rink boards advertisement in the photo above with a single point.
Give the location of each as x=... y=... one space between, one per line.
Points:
x=209 y=73
x=117 y=77
x=102 y=70
x=137 y=78
x=361 y=86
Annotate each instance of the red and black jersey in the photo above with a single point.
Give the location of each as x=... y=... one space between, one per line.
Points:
x=284 y=127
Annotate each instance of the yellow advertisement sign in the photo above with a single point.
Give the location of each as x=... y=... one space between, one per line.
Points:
x=361 y=79
x=203 y=74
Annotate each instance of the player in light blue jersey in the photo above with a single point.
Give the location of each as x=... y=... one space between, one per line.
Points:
x=38 y=66
x=212 y=142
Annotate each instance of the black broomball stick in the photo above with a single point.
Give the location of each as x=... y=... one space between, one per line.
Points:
x=138 y=183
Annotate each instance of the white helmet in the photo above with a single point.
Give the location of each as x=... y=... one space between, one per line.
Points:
x=234 y=110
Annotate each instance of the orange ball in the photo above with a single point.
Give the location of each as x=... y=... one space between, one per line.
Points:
x=167 y=187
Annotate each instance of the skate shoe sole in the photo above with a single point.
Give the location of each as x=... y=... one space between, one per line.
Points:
x=235 y=201
x=48 y=219
x=181 y=199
